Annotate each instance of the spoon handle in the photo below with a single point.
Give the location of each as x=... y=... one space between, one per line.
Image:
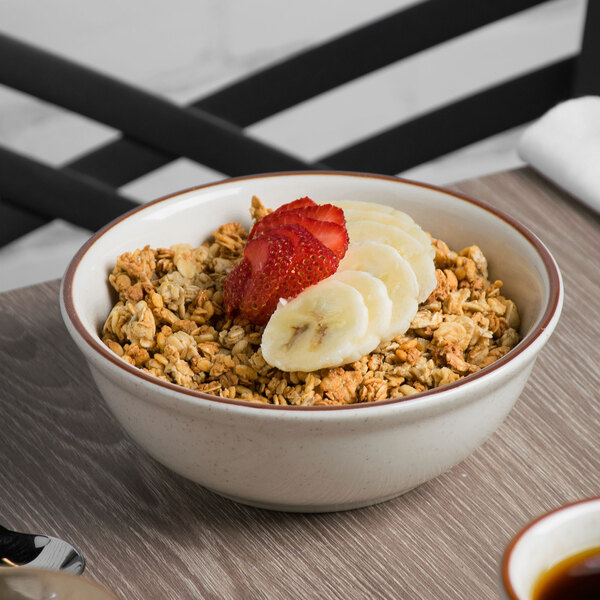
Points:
x=4 y=532
x=19 y=548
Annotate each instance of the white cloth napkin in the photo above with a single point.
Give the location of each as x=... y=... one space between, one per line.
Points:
x=564 y=145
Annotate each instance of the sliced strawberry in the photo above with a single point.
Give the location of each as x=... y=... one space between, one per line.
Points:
x=235 y=285
x=284 y=262
x=334 y=236
x=300 y=203
x=287 y=251
x=297 y=234
x=324 y=212
x=270 y=257
x=312 y=261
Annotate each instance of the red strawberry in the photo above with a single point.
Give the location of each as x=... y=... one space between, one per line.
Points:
x=284 y=262
x=331 y=234
x=287 y=251
x=324 y=212
x=236 y=284
x=313 y=260
x=270 y=258
x=300 y=203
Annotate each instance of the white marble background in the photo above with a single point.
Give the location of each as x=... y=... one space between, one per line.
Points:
x=183 y=49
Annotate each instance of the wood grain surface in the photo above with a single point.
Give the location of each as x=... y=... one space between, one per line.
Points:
x=67 y=468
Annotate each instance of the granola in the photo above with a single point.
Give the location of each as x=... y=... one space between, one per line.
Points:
x=169 y=321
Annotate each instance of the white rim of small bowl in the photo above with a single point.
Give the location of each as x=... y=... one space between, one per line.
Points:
x=506 y=581
x=554 y=301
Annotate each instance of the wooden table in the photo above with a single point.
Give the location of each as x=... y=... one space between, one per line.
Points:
x=68 y=469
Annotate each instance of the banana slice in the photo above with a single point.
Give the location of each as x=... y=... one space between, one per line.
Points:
x=385 y=263
x=398 y=219
x=420 y=261
x=324 y=326
x=378 y=303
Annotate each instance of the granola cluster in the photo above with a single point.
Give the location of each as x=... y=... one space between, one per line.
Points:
x=170 y=322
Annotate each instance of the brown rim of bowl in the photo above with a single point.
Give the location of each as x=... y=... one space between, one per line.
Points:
x=508 y=587
x=96 y=344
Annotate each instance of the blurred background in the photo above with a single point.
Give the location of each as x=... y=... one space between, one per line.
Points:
x=185 y=49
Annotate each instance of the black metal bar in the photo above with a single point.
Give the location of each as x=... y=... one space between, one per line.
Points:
x=16 y=222
x=290 y=81
x=587 y=71
x=179 y=131
x=313 y=72
x=457 y=125
x=119 y=162
x=58 y=194
x=362 y=51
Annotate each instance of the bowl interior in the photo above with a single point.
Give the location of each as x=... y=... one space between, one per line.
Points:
x=191 y=216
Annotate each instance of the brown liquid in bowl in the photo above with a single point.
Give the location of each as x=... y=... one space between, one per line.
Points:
x=575 y=578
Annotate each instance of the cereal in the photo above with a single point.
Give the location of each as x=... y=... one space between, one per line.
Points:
x=169 y=321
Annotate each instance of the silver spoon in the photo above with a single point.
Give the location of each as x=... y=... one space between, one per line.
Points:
x=42 y=551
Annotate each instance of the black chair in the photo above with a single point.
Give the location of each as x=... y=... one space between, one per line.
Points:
x=211 y=130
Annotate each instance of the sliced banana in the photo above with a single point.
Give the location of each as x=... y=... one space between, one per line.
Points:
x=385 y=263
x=378 y=303
x=323 y=326
x=398 y=219
x=420 y=261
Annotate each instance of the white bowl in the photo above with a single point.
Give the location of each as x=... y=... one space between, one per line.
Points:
x=547 y=541
x=312 y=458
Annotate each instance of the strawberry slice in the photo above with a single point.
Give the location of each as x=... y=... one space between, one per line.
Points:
x=283 y=262
x=300 y=203
x=270 y=258
x=332 y=235
x=307 y=272
x=324 y=212
x=235 y=285
x=288 y=250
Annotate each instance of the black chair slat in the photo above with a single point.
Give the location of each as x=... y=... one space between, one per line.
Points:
x=119 y=162
x=15 y=222
x=179 y=131
x=38 y=188
x=587 y=72
x=357 y=53
x=459 y=124
x=124 y=152
x=289 y=82
x=312 y=72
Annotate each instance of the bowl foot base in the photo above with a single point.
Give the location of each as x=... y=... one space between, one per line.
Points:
x=309 y=508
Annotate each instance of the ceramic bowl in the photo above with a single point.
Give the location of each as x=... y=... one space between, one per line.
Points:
x=312 y=458
x=547 y=541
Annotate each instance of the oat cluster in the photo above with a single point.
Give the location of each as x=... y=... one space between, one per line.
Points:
x=170 y=322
